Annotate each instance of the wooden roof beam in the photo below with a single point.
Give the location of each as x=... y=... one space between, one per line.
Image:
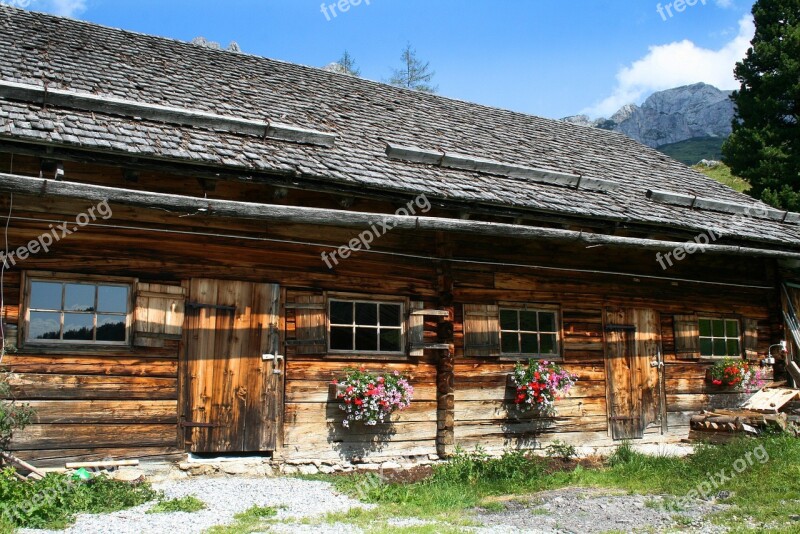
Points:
x=38 y=187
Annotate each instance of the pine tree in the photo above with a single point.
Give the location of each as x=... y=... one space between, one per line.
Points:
x=414 y=74
x=348 y=64
x=765 y=145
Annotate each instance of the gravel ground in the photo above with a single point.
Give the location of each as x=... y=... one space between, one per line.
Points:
x=224 y=497
x=582 y=510
x=570 y=510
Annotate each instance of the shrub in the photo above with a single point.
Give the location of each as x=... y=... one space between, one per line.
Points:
x=559 y=449
x=53 y=501
x=188 y=504
x=13 y=415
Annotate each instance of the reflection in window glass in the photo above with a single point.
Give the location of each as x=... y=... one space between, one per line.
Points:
x=45 y=325
x=112 y=299
x=67 y=312
x=79 y=297
x=45 y=296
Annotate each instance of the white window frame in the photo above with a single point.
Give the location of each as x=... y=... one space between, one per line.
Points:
x=64 y=279
x=554 y=311
x=712 y=337
x=402 y=328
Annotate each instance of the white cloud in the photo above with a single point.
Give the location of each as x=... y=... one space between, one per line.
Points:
x=65 y=8
x=68 y=8
x=675 y=64
x=725 y=3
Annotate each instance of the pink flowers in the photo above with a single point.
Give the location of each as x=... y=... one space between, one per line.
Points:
x=539 y=384
x=370 y=398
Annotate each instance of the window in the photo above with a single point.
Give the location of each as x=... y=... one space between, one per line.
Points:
x=79 y=312
x=720 y=338
x=365 y=326
x=526 y=332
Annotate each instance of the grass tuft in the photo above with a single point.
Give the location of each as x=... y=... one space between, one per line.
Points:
x=254 y=519
x=188 y=504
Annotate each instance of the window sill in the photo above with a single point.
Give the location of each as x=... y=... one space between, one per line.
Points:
x=367 y=357
x=75 y=349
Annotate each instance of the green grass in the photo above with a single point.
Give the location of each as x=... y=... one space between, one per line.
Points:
x=189 y=504
x=254 y=519
x=722 y=174
x=767 y=491
x=692 y=151
x=53 y=502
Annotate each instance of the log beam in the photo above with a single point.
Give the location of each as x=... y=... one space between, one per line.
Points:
x=25 y=185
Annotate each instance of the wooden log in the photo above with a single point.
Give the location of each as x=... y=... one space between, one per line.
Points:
x=48 y=437
x=58 y=457
x=17 y=462
x=41 y=386
x=327 y=217
x=102 y=463
x=104 y=411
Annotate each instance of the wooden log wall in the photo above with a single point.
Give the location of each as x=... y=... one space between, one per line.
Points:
x=123 y=403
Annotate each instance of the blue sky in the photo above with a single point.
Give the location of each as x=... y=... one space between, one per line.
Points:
x=546 y=57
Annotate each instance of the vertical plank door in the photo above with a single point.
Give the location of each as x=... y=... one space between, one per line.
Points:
x=233 y=396
x=632 y=347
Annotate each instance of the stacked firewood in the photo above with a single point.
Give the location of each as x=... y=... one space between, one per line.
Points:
x=722 y=425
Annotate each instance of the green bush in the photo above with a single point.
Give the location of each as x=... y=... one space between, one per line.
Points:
x=188 y=504
x=559 y=449
x=54 y=501
x=13 y=415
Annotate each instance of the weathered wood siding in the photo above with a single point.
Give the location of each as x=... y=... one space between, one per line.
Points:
x=125 y=402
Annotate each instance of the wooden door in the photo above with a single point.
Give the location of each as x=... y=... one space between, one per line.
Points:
x=633 y=361
x=233 y=393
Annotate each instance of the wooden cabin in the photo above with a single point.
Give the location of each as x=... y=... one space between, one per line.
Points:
x=182 y=222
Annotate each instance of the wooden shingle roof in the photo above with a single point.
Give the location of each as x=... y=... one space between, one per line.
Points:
x=364 y=116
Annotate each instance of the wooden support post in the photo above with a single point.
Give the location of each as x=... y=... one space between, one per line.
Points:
x=445 y=379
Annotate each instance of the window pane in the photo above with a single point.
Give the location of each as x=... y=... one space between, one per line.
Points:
x=527 y=321
x=390 y=340
x=547 y=322
x=112 y=299
x=718 y=328
x=45 y=296
x=45 y=325
x=341 y=338
x=732 y=328
x=733 y=348
x=510 y=343
x=341 y=312
x=78 y=326
x=367 y=314
x=720 y=348
x=548 y=343
x=79 y=297
x=530 y=344
x=705 y=328
x=508 y=320
x=366 y=339
x=390 y=314
x=110 y=328
x=706 y=347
